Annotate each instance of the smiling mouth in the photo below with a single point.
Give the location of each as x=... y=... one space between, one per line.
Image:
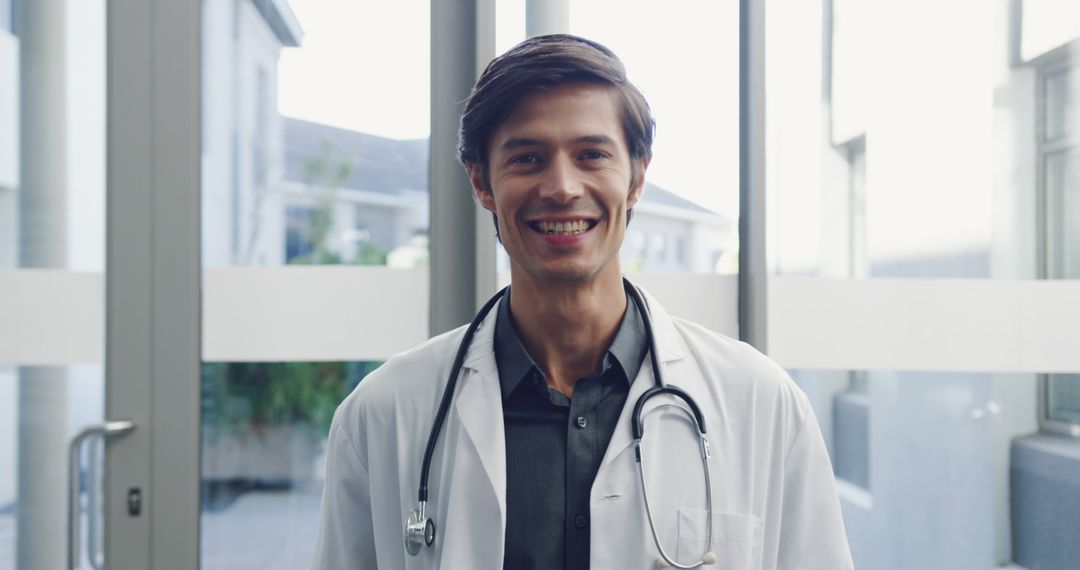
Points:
x=568 y=228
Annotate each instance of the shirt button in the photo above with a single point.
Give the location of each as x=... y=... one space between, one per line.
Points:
x=581 y=521
x=582 y=422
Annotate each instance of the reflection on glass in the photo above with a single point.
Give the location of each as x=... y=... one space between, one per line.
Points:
x=851 y=431
x=52 y=212
x=1063 y=398
x=1063 y=213
x=315 y=152
x=1060 y=114
x=687 y=218
x=264 y=427
x=305 y=161
x=915 y=458
x=1061 y=180
x=952 y=135
x=8 y=442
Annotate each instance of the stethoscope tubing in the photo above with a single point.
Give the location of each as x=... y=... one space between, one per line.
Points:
x=448 y=393
x=637 y=428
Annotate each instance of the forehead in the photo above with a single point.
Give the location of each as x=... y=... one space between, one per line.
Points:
x=569 y=111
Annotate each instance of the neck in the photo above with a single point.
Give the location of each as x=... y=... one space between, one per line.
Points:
x=567 y=326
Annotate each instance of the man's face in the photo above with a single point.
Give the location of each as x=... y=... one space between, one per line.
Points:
x=560 y=178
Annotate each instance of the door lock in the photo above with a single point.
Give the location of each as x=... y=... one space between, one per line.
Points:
x=134 y=501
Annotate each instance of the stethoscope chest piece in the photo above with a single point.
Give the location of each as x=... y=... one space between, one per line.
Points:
x=419 y=530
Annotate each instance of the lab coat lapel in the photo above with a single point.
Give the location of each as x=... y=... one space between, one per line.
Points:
x=478 y=407
x=671 y=348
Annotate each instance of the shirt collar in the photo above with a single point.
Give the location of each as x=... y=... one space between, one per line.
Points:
x=627 y=349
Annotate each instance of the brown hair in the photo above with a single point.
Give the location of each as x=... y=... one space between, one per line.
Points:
x=544 y=62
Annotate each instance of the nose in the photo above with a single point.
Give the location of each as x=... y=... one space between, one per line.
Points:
x=562 y=182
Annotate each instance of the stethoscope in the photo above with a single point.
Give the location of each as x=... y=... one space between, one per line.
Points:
x=420 y=529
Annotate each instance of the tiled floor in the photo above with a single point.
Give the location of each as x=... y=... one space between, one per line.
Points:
x=261 y=530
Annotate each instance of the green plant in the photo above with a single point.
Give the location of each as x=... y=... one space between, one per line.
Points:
x=241 y=395
x=323 y=175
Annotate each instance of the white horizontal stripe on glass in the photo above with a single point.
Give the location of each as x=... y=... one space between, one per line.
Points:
x=51 y=317
x=301 y=313
x=972 y=325
x=709 y=300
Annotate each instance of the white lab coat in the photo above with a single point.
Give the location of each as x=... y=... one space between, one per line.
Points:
x=775 y=499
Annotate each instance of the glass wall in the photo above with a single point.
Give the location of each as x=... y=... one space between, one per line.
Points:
x=687 y=220
x=315 y=153
x=915 y=456
x=52 y=260
x=927 y=147
x=309 y=157
x=1059 y=156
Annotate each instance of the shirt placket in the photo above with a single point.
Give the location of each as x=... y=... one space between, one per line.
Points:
x=581 y=433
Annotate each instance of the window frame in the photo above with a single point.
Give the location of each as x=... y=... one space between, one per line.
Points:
x=1058 y=61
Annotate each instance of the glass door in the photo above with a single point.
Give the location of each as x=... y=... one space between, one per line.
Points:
x=52 y=279
x=315 y=209
x=98 y=282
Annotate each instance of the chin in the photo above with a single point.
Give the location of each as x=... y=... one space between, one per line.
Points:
x=568 y=273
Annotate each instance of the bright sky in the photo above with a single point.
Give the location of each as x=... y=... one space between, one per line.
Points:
x=364 y=65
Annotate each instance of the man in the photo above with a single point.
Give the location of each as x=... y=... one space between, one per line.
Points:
x=533 y=465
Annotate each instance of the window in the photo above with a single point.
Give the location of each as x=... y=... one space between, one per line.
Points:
x=1059 y=160
x=688 y=212
x=7 y=16
x=858 y=265
x=851 y=431
x=298 y=233
x=260 y=153
x=305 y=162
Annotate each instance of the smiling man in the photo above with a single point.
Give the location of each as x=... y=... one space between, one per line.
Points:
x=574 y=424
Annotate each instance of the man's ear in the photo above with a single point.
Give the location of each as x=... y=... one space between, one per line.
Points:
x=637 y=183
x=480 y=187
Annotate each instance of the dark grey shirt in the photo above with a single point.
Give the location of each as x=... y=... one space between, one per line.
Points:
x=554 y=444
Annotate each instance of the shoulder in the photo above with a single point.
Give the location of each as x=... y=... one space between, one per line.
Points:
x=737 y=371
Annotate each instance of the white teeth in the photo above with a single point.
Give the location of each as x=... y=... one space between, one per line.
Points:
x=564 y=228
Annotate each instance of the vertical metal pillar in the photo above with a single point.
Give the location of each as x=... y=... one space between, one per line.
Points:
x=152 y=322
x=485 y=243
x=43 y=392
x=454 y=224
x=753 y=277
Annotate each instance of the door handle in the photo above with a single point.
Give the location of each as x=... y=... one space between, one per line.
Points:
x=94 y=432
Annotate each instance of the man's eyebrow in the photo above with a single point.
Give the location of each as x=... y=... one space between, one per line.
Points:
x=518 y=142
x=596 y=139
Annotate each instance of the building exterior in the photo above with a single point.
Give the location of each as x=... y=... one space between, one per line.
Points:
x=373 y=192
x=243 y=134
x=949 y=156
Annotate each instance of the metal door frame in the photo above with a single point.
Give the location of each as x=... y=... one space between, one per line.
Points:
x=152 y=287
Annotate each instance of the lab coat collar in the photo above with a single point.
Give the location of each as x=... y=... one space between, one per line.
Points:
x=478 y=404
x=669 y=343
x=670 y=347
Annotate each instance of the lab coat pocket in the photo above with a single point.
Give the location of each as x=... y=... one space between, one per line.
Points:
x=736 y=539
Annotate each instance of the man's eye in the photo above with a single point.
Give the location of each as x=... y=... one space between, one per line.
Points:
x=592 y=155
x=525 y=159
